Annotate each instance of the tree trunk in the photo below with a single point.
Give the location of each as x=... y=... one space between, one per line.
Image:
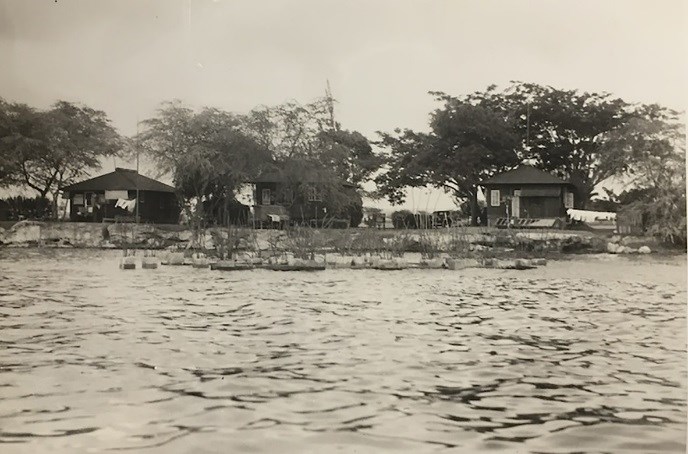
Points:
x=475 y=211
x=54 y=204
x=583 y=190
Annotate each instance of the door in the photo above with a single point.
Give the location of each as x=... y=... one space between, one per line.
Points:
x=516 y=204
x=265 y=196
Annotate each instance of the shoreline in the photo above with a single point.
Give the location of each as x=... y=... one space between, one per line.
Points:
x=222 y=243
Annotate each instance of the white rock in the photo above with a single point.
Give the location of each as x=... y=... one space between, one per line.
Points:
x=644 y=250
x=613 y=248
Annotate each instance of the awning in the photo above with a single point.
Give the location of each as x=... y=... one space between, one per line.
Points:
x=541 y=192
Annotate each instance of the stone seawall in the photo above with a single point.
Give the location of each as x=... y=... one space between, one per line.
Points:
x=144 y=236
x=92 y=235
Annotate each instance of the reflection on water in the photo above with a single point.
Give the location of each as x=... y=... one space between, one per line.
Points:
x=583 y=356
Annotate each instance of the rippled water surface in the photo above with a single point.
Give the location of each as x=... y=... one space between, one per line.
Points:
x=580 y=356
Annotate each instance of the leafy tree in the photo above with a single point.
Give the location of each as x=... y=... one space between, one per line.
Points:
x=467 y=144
x=15 y=126
x=350 y=155
x=207 y=153
x=292 y=131
x=567 y=132
x=57 y=147
x=309 y=148
x=655 y=150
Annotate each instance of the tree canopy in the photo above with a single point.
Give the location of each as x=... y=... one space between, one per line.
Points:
x=569 y=133
x=467 y=144
x=48 y=149
x=292 y=131
x=208 y=153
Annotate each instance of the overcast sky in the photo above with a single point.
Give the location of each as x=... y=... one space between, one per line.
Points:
x=381 y=57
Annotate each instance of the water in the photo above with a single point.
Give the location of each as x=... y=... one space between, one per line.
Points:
x=581 y=356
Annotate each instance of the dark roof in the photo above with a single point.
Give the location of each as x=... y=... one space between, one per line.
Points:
x=120 y=179
x=524 y=175
x=303 y=177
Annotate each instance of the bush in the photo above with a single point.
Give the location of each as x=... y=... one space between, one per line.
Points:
x=339 y=224
x=20 y=208
x=403 y=219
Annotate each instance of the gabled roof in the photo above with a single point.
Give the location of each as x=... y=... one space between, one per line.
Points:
x=303 y=176
x=120 y=179
x=524 y=175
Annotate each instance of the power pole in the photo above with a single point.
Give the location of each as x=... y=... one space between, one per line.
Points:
x=330 y=105
x=137 y=171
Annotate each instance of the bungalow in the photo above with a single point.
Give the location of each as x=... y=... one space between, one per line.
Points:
x=113 y=197
x=527 y=197
x=281 y=199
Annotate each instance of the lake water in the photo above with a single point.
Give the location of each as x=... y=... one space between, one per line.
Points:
x=587 y=355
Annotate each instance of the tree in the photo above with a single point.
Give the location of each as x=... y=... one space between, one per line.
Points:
x=207 y=153
x=566 y=132
x=467 y=144
x=292 y=131
x=656 y=153
x=350 y=155
x=15 y=125
x=309 y=148
x=57 y=147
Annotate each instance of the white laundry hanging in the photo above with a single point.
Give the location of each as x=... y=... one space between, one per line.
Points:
x=125 y=204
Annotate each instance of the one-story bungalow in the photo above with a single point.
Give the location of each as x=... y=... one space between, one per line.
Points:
x=527 y=197
x=113 y=197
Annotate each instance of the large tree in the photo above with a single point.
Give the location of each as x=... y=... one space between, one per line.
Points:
x=16 y=122
x=467 y=144
x=568 y=132
x=308 y=146
x=296 y=132
x=656 y=171
x=207 y=153
x=49 y=149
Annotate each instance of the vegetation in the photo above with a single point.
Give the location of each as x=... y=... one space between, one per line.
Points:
x=467 y=144
x=586 y=138
x=207 y=153
x=45 y=150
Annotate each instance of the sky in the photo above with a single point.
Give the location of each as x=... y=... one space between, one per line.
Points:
x=381 y=57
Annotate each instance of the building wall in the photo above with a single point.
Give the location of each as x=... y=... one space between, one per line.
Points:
x=154 y=207
x=530 y=207
x=304 y=206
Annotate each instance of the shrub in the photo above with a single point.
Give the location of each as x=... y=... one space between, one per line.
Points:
x=403 y=219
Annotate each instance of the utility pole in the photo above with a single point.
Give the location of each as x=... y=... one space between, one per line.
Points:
x=528 y=127
x=330 y=105
x=137 y=170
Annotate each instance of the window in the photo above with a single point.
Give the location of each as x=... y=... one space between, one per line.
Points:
x=115 y=195
x=494 y=197
x=314 y=195
x=568 y=200
x=265 y=197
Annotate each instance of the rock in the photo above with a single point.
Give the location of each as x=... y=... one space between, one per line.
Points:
x=616 y=239
x=626 y=240
x=644 y=250
x=174 y=258
x=614 y=248
x=149 y=263
x=127 y=263
x=433 y=263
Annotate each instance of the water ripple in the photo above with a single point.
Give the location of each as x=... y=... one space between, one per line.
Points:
x=581 y=356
